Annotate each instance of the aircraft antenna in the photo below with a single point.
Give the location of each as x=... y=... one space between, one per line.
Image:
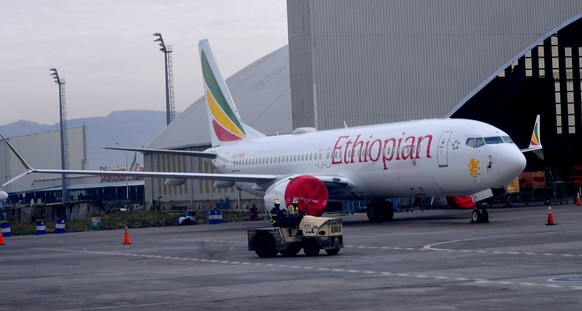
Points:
x=64 y=131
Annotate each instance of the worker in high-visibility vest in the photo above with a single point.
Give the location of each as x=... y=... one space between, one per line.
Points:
x=277 y=216
x=293 y=209
x=294 y=215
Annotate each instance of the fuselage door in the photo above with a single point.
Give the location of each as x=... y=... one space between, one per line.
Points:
x=443 y=148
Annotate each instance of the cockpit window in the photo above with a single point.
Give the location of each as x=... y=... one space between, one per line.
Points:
x=507 y=139
x=477 y=142
x=480 y=142
x=493 y=140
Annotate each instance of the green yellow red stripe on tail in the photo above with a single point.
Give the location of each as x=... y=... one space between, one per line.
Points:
x=535 y=136
x=225 y=123
x=535 y=143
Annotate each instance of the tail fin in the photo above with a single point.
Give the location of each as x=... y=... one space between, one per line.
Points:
x=225 y=123
x=535 y=143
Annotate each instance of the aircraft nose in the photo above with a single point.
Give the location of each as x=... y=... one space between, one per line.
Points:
x=511 y=163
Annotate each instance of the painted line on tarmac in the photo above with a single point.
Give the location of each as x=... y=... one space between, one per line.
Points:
x=322 y=269
x=210 y=241
x=430 y=247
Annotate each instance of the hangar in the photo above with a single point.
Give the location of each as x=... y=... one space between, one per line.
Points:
x=502 y=62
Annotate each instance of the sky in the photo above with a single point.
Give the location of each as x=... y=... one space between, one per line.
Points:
x=105 y=51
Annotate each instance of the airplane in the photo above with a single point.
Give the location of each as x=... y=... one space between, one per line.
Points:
x=3 y=195
x=437 y=157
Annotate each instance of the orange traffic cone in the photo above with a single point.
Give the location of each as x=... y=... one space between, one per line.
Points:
x=578 y=199
x=126 y=239
x=550 y=217
x=1 y=239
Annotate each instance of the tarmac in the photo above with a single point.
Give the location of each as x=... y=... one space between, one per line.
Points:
x=431 y=260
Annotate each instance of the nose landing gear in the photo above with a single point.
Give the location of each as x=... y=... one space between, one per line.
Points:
x=479 y=215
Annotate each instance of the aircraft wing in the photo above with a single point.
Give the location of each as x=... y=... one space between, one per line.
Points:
x=257 y=178
x=198 y=154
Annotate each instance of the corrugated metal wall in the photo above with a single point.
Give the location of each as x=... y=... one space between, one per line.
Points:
x=377 y=61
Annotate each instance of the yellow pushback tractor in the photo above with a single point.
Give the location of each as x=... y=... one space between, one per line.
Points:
x=312 y=234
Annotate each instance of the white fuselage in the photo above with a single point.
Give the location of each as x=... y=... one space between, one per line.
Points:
x=418 y=158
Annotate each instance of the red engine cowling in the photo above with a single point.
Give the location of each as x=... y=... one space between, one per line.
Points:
x=310 y=191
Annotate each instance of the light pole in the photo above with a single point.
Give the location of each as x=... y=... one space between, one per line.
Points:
x=169 y=77
x=63 y=120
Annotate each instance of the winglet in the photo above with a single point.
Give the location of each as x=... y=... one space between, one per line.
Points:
x=29 y=168
x=535 y=143
x=24 y=163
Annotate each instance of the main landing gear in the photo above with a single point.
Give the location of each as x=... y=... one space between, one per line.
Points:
x=380 y=211
x=479 y=215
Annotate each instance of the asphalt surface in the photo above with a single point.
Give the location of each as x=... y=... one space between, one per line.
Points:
x=431 y=260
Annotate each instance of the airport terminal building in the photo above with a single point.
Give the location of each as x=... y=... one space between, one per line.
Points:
x=367 y=62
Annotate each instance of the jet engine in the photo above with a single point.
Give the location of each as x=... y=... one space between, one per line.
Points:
x=310 y=191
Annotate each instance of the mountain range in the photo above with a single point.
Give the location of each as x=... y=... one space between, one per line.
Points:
x=127 y=128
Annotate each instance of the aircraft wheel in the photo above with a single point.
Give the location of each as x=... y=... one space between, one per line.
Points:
x=484 y=215
x=332 y=251
x=311 y=247
x=377 y=212
x=479 y=215
x=475 y=216
x=387 y=211
x=373 y=212
x=264 y=245
x=380 y=211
